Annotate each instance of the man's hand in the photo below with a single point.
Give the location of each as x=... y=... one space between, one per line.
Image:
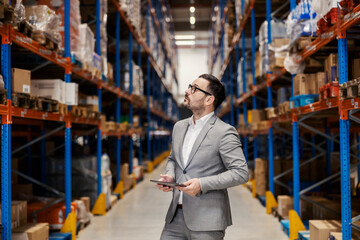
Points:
x=192 y=188
x=165 y=178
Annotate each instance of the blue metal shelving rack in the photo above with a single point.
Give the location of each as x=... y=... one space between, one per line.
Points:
x=148 y=86
x=344 y=143
x=131 y=142
x=118 y=100
x=6 y=141
x=99 y=137
x=269 y=92
x=243 y=50
x=253 y=51
x=68 y=123
x=7 y=119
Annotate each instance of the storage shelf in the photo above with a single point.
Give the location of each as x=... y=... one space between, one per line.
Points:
x=236 y=37
x=32 y=45
x=142 y=42
x=47 y=116
x=317 y=106
x=351 y=19
x=157 y=24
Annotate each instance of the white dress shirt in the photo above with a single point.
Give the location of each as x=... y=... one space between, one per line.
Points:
x=191 y=135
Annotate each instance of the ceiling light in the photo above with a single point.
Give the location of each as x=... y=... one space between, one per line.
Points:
x=192 y=20
x=192 y=9
x=184 y=37
x=185 y=43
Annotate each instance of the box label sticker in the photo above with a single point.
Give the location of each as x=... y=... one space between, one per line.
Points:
x=26 y=88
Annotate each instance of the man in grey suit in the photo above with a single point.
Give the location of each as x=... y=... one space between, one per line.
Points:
x=207 y=158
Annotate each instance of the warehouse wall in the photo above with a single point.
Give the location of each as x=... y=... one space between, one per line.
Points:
x=192 y=63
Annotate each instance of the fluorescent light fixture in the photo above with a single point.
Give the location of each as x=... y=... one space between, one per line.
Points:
x=184 y=43
x=184 y=37
x=192 y=9
x=192 y=20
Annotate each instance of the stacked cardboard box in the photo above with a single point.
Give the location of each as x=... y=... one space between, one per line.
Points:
x=305 y=84
x=35 y=231
x=18 y=213
x=56 y=89
x=20 y=80
x=125 y=177
x=75 y=19
x=320 y=229
x=285 y=204
x=86 y=46
x=331 y=68
x=260 y=176
x=280 y=48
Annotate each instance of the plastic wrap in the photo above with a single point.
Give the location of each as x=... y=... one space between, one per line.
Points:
x=19 y=12
x=302 y=21
x=291 y=66
x=43 y=19
x=86 y=45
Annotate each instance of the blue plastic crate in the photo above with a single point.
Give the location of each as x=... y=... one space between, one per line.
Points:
x=60 y=236
x=304 y=235
x=285 y=226
x=302 y=100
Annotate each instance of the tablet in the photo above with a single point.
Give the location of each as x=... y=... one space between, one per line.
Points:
x=169 y=184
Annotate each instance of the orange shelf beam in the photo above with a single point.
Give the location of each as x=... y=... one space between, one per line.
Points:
x=317 y=106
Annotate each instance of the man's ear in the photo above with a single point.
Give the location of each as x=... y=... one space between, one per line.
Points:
x=210 y=100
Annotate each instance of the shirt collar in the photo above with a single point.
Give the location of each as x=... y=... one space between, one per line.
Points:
x=200 y=122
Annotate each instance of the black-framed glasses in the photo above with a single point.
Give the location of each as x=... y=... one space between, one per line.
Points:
x=194 y=88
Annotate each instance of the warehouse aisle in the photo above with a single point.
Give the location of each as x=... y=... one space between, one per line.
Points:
x=140 y=216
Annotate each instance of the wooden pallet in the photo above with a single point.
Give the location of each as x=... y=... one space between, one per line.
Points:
x=79 y=111
x=35 y=103
x=93 y=114
x=20 y=100
x=25 y=28
x=45 y=39
x=49 y=105
x=63 y=109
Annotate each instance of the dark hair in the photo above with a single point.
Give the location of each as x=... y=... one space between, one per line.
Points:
x=216 y=88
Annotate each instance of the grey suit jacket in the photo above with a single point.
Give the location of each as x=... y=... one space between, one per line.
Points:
x=218 y=161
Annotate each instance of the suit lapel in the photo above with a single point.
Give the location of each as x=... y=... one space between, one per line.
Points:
x=201 y=138
x=183 y=131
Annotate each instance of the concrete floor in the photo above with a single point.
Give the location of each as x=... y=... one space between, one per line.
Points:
x=140 y=216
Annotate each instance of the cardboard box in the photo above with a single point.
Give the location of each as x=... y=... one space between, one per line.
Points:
x=312 y=84
x=355 y=65
x=21 y=212
x=36 y=231
x=320 y=229
x=300 y=84
x=321 y=79
x=261 y=176
x=71 y=94
x=331 y=68
x=305 y=84
x=285 y=204
x=20 y=80
x=86 y=201
x=257 y=116
x=18 y=213
x=280 y=42
x=50 y=88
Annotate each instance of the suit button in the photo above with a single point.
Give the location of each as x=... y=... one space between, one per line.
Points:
x=184 y=172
